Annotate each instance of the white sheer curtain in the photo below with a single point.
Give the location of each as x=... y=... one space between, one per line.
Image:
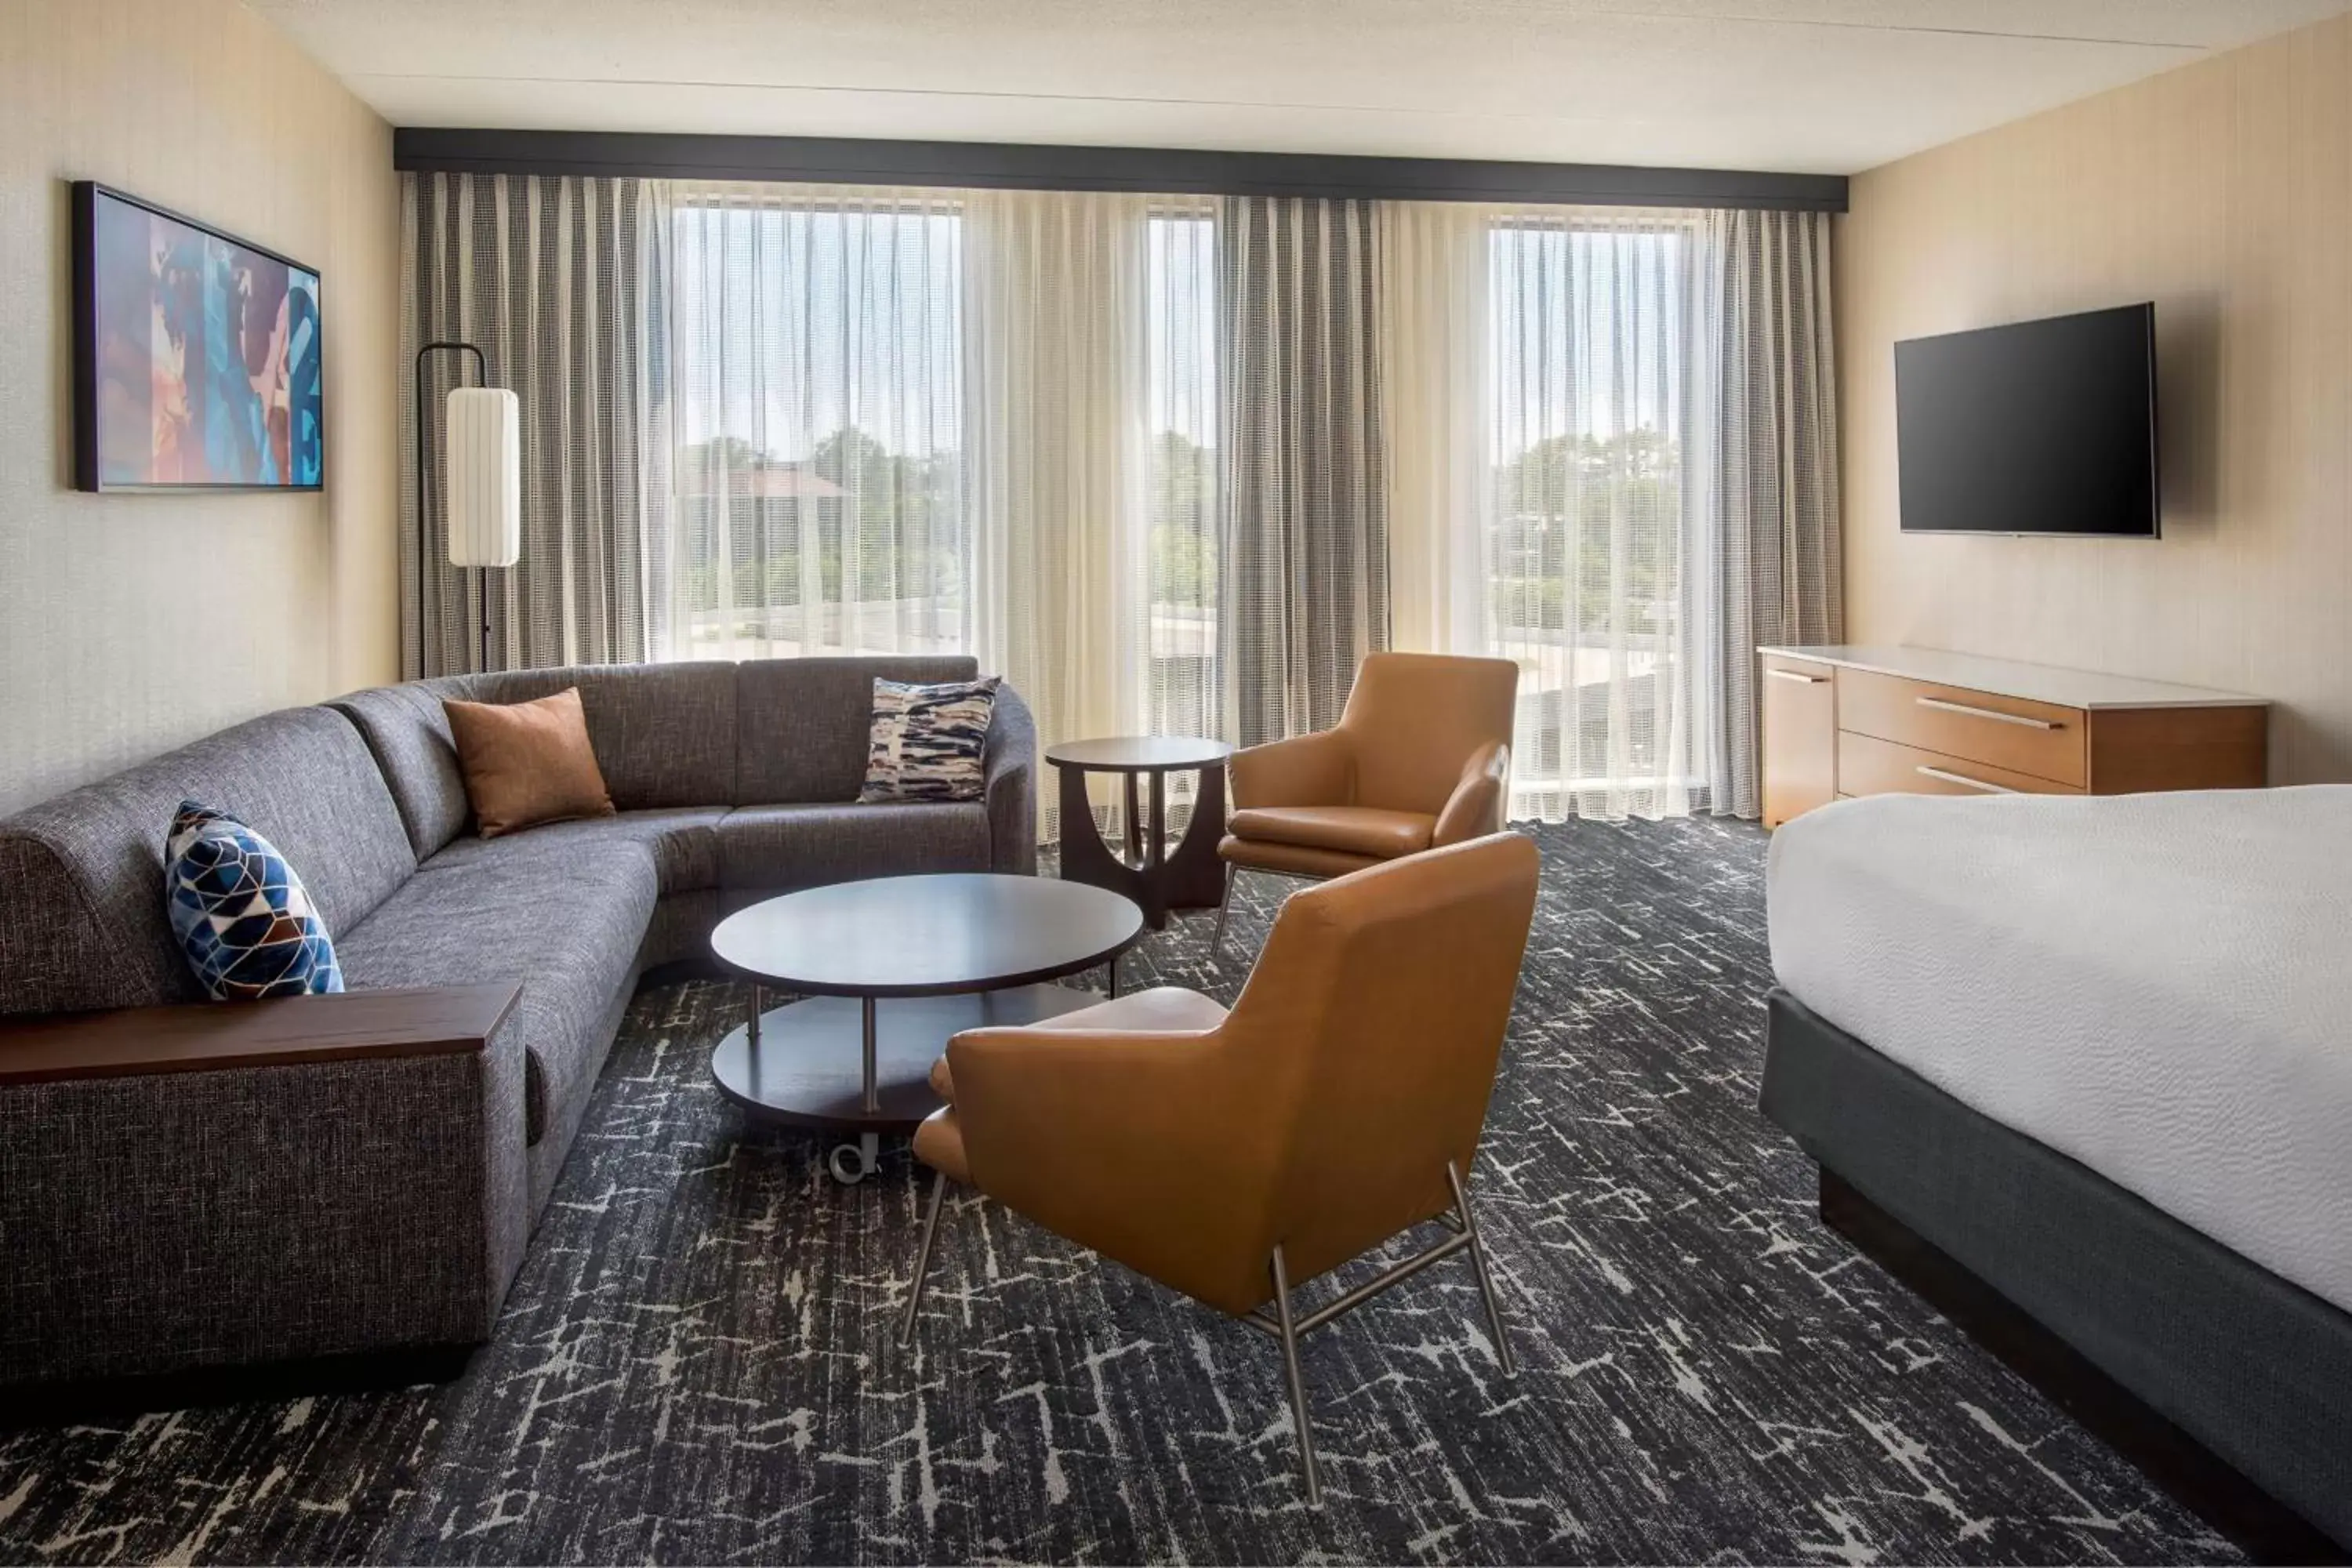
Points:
x=1541 y=378
x=1055 y=393
x=1090 y=470
x=1597 y=441
x=1590 y=382
x=1055 y=299
x=816 y=362
x=976 y=421
x=1435 y=338
x=1612 y=444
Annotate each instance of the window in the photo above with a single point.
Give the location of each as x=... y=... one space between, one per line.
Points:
x=1180 y=476
x=1585 y=532
x=817 y=350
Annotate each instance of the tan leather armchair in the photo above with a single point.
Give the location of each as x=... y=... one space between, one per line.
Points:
x=1235 y=1156
x=1418 y=760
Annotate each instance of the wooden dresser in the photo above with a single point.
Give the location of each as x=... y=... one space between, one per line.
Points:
x=1845 y=720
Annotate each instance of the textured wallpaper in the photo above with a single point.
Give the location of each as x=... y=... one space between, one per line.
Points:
x=131 y=623
x=2221 y=191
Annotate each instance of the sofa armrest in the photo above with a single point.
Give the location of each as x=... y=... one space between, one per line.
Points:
x=1010 y=759
x=212 y=1037
x=191 y=1187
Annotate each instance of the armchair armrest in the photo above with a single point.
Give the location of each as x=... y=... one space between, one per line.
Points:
x=1475 y=807
x=1009 y=758
x=1306 y=770
x=212 y=1037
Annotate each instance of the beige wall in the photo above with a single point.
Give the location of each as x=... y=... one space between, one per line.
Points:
x=114 y=643
x=2223 y=192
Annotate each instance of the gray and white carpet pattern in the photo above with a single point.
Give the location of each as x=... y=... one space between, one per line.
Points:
x=697 y=1365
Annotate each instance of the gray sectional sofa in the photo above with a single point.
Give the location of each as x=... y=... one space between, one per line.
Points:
x=170 y=1213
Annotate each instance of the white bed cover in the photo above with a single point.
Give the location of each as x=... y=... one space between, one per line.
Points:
x=2159 y=985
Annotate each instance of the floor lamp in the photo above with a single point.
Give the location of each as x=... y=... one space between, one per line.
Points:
x=482 y=476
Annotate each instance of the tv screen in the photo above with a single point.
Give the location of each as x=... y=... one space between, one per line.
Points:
x=197 y=355
x=2042 y=426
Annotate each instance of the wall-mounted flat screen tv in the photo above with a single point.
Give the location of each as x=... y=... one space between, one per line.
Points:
x=2044 y=427
x=197 y=355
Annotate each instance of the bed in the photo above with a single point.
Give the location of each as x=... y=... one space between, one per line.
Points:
x=2094 y=1055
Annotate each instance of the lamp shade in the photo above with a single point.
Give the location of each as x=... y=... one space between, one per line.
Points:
x=485 y=476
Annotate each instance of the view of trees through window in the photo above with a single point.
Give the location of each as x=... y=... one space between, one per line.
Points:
x=1585 y=534
x=1615 y=502
x=816 y=494
x=818 y=485
x=1181 y=475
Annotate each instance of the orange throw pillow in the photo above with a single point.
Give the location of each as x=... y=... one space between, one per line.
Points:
x=528 y=763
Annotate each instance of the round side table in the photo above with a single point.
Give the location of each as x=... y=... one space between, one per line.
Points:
x=1160 y=880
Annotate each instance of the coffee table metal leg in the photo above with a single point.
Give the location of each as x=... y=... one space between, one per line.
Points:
x=852 y=1163
x=755 y=1016
x=873 y=1101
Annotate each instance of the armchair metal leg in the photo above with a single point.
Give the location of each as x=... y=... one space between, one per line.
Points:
x=1289 y=1334
x=1485 y=1280
x=1225 y=907
x=923 y=1257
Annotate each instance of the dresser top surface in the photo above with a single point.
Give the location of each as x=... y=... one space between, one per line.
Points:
x=2054 y=684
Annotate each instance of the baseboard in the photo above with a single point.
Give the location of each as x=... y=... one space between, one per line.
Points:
x=57 y=1404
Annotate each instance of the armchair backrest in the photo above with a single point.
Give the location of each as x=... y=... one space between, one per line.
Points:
x=1414 y=719
x=1377 y=1014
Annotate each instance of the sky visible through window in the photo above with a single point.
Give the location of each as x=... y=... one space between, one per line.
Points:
x=1181 y=294
x=1585 y=326
x=792 y=324
x=789 y=324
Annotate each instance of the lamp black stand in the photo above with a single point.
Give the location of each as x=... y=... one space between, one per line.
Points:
x=424 y=530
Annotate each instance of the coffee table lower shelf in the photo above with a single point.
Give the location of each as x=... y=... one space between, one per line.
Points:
x=808 y=1068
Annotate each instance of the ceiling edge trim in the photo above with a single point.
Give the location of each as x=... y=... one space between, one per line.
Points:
x=1006 y=166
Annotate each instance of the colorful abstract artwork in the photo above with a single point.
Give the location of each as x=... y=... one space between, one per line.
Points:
x=200 y=356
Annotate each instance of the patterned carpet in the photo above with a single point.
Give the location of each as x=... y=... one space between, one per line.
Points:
x=696 y=1363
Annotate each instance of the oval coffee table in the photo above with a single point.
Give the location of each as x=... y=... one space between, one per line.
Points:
x=889 y=969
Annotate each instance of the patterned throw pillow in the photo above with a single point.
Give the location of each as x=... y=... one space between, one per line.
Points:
x=926 y=741
x=240 y=912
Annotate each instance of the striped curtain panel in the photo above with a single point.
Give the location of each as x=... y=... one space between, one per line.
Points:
x=1305 y=532
x=1765 y=471
x=560 y=283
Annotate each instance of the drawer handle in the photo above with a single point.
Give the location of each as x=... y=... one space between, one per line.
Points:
x=1943 y=706
x=1792 y=675
x=1963 y=779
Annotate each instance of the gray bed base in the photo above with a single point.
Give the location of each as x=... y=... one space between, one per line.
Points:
x=2255 y=1370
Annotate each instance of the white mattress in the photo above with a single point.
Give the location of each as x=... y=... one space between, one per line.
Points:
x=2159 y=985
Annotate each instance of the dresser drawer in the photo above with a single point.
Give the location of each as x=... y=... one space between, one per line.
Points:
x=1800 y=744
x=1867 y=766
x=2002 y=732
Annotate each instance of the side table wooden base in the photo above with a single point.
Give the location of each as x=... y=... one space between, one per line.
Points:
x=1191 y=876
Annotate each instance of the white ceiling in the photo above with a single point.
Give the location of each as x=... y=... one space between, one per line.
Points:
x=1829 y=86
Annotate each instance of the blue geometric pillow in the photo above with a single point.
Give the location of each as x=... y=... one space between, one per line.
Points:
x=241 y=913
